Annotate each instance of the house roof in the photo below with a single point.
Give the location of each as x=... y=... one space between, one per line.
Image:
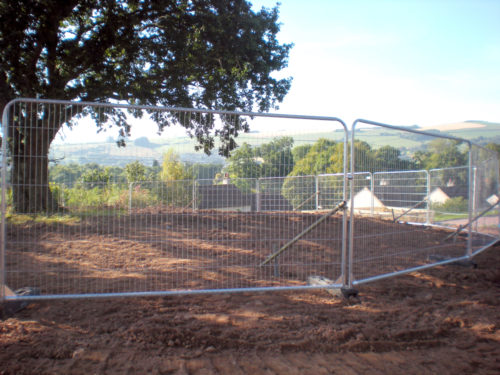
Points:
x=455 y=191
x=227 y=196
x=222 y=196
x=272 y=202
x=364 y=199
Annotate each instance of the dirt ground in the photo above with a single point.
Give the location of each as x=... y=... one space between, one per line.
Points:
x=444 y=320
x=158 y=250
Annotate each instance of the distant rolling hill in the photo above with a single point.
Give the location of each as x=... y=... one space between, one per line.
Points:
x=478 y=131
x=108 y=153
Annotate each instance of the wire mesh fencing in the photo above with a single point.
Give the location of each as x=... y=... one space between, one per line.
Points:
x=419 y=208
x=329 y=190
x=112 y=214
x=484 y=198
x=115 y=215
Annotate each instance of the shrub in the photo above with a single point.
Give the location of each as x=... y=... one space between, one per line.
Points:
x=453 y=205
x=174 y=193
x=141 y=196
x=80 y=197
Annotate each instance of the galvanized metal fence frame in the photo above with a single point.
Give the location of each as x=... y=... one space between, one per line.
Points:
x=485 y=177
x=353 y=281
x=188 y=111
x=321 y=197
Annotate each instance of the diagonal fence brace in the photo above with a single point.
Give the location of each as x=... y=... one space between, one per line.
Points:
x=462 y=227
x=306 y=201
x=410 y=209
x=341 y=206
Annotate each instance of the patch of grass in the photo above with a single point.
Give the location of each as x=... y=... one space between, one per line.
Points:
x=95 y=212
x=75 y=217
x=444 y=216
x=20 y=219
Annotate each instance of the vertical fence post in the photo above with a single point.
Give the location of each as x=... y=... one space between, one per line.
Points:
x=428 y=204
x=497 y=189
x=372 y=198
x=195 y=194
x=350 y=180
x=470 y=203
x=130 y=187
x=257 y=194
x=316 y=183
x=5 y=122
x=345 y=230
x=474 y=195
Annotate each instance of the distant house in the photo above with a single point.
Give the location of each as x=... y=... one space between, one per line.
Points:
x=392 y=202
x=388 y=197
x=442 y=193
x=405 y=196
x=225 y=197
x=363 y=200
x=270 y=202
x=438 y=196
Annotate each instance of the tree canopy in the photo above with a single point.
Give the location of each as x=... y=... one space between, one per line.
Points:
x=202 y=54
x=135 y=172
x=319 y=158
x=172 y=167
x=442 y=153
x=273 y=159
x=206 y=54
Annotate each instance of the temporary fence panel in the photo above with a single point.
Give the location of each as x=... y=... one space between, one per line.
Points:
x=485 y=198
x=89 y=218
x=390 y=244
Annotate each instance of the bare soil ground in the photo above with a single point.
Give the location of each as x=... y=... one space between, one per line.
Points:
x=444 y=320
x=163 y=249
x=486 y=224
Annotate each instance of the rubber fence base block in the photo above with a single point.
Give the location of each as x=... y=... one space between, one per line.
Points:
x=323 y=281
x=9 y=308
x=349 y=292
x=337 y=292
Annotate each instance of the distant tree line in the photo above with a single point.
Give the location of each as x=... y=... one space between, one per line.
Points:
x=171 y=167
x=278 y=159
x=87 y=186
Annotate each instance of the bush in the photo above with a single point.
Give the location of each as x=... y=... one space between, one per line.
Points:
x=141 y=196
x=89 y=196
x=298 y=190
x=453 y=205
x=80 y=197
x=174 y=193
x=57 y=192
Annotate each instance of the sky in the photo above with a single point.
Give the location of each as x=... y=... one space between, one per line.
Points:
x=401 y=62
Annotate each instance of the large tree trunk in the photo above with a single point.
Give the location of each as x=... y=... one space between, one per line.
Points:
x=30 y=168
